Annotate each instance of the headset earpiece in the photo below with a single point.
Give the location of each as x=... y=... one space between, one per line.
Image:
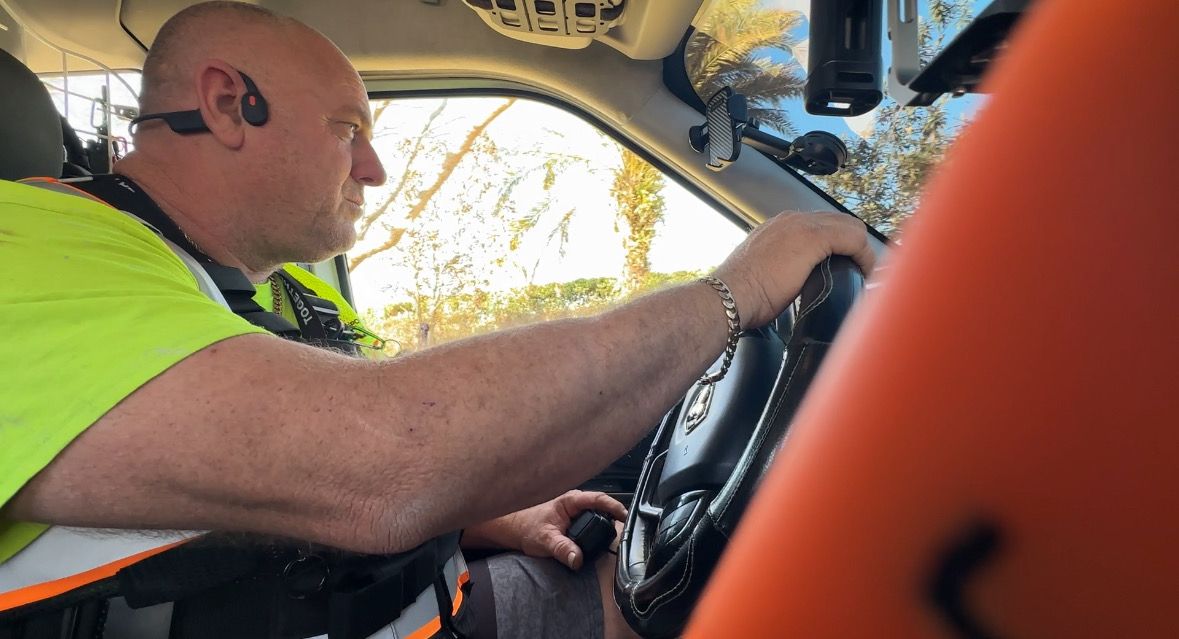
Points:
x=254 y=108
x=254 y=111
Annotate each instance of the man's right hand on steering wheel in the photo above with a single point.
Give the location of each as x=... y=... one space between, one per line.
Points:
x=766 y=272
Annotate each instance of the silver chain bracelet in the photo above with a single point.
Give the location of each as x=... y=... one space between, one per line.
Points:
x=734 y=329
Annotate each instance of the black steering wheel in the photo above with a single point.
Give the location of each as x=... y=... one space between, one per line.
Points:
x=712 y=450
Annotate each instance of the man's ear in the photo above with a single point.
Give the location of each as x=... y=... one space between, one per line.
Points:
x=219 y=92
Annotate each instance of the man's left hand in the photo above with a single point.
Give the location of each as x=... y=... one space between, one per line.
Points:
x=539 y=531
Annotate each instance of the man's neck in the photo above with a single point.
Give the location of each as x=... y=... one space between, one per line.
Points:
x=166 y=193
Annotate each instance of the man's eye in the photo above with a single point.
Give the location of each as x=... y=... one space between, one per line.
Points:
x=348 y=129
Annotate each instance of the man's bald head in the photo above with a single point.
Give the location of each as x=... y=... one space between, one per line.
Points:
x=196 y=32
x=288 y=190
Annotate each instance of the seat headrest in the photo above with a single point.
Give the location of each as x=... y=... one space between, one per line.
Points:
x=30 y=127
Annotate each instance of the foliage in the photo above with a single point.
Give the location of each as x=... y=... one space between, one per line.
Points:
x=449 y=221
x=637 y=190
x=447 y=289
x=886 y=172
x=423 y=197
x=729 y=49
x=469 y=311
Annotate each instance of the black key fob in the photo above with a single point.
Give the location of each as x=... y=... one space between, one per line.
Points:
x=593 y=532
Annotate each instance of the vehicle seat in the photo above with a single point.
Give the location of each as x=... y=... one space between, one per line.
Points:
x=992 y=446
x=30 y=126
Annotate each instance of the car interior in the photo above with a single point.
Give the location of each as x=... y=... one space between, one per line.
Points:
x=711 y=462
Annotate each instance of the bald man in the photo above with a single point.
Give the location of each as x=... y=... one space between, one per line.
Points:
x=145 y=404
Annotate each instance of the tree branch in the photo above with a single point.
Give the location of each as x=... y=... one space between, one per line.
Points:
x=368 y=220
x=448 y=166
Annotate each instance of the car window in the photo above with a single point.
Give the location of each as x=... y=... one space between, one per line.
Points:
x=760 y=48
x=99 y=108
x=500 y=211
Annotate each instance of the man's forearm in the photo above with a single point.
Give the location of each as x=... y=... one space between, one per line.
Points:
x=514 y=418
x=259 y=434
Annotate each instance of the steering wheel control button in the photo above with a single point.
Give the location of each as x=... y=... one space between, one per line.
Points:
x=593 y=532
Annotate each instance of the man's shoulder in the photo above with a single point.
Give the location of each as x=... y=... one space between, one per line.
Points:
x=45 y=193
x=50 y=232
x=44 y=207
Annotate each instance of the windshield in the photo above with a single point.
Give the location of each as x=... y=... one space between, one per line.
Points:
x=759 y=48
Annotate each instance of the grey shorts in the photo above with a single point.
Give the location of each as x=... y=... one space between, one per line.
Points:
x=534 y=598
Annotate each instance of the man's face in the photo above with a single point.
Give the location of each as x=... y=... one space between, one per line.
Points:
x=324 y=159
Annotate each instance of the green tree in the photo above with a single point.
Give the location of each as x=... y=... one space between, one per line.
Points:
x=421 y=197
x=451 y=312
x=887 y=171
x=730 y=48
x=637 y=191
x=555 y=300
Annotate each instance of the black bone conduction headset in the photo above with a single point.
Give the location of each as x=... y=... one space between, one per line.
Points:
x=254 y=111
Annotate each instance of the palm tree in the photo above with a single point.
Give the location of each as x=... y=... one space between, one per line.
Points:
x=637 y=191
x=730 y=48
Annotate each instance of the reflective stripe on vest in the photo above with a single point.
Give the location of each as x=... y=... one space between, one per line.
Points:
x=65 y=558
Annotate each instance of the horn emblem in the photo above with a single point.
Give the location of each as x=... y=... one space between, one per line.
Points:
x=698 y=407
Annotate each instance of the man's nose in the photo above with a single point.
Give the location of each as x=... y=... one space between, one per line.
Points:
x=366 y=166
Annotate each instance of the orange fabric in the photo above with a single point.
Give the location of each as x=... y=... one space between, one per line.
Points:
x=428 y=630
x=1017 y=366
x=39 y=592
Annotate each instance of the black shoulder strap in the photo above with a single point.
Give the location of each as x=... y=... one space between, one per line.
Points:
x=123 y=193
x=318 y=318
x=305 y=314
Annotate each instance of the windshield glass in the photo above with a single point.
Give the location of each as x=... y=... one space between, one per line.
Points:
x=759 y=48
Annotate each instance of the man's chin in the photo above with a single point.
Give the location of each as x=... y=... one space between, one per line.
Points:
x=328 y=245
